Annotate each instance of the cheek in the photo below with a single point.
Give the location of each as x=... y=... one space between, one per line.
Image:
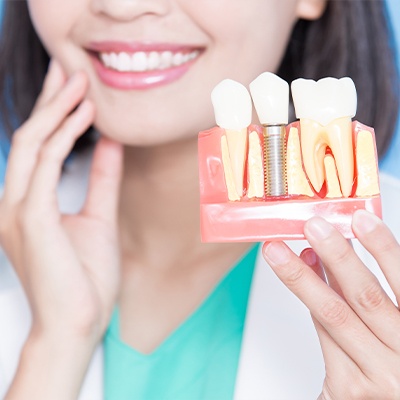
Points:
x=53 y=21
x=247 y=36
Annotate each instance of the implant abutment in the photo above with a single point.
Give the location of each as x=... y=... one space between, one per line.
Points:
x=275 y=184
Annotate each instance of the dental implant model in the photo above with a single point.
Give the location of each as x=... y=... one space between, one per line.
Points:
x=271 y=100
x=263 y=182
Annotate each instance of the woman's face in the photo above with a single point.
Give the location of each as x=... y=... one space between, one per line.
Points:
x=162 y=58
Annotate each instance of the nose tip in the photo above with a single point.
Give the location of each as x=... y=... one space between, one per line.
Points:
x=127 y=10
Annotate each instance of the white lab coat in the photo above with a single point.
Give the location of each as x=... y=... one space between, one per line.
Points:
x=280 y=358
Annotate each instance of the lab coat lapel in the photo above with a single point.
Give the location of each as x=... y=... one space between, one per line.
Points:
x=280 y=358
x=15 y=322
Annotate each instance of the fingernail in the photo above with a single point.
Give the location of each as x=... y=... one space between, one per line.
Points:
x=309 y=257
x=277 y=253
x=318 y=229
x=365 y=222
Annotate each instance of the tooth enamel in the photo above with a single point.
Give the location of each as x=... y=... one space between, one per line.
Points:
x=271 y=99
x=139 y=61
x=325 y=100
x=106 y=58
x=185 y=58
x=332 y=181
x=177 y=59
x=367 y=171
x=296 y=178
x=153 y=60
x=255 y=168
x=325 y=109
x=124 y=62
x=165 y=59
x=233 y=112
x=193 y=54
x=232 y=105
x=114 y=60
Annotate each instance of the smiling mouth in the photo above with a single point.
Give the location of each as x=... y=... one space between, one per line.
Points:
x=142 y=61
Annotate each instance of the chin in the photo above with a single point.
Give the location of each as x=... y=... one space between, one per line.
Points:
x=151 y=135
x=168 y=128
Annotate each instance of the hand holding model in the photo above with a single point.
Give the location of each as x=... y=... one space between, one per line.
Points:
x=357 y=323
x=71 y=282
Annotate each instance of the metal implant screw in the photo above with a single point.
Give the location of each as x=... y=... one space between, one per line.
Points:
x=275 y=181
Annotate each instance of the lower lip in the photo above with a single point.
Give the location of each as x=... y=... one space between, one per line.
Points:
x=139 y=80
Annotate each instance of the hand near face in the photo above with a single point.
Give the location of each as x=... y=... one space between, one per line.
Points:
x=357 y=323
x=68 y=264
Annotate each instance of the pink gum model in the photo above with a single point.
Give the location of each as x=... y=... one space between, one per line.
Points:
x=254 y=220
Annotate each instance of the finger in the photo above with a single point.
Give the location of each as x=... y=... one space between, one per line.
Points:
x=376 y=237
x=334 y=314
x=310 y=257
x=359 y=286
x=105 y=178
x=41 y=195
x=29 y=138
x=337 y=362
x=315 y=262
x=54 y=81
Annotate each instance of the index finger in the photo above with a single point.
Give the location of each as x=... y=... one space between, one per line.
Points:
x=54 y=81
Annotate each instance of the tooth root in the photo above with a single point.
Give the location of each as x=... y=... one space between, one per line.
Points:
x=332 y=181
x=226 y=162
x=237 y=145
x=313 y=147
x=340 y=140
x=314 y=140
x=255 y=167
x=296 y=178
x=367 y=171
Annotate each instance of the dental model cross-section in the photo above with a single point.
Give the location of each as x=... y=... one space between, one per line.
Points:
x=325 y=109
x=296 y=178
x=367 y=170
x=328 y=161
x=255 y=170
x=271 y=99
x=233 y=112
x=332 y=180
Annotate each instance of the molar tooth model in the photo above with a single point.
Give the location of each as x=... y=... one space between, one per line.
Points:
x=264 y=182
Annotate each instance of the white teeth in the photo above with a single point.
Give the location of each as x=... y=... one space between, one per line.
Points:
x=177 y=59
x=271 y=99
x=114 y=60
x=141 y=61
x=232 y=105
x=106 y=58
x=124 y=62
x=153 y=60
x=165 y=60
x=325 y=100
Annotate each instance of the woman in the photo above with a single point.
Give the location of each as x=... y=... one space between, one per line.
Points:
x=135 y=243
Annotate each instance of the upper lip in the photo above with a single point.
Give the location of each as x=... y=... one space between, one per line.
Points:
x=132 y=47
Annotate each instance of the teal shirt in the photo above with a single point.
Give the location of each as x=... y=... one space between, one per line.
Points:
x=198 y=360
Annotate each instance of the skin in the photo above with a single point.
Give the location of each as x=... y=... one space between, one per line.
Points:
x=133 y=157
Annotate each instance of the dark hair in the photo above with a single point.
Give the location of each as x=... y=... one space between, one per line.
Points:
x=352 y=38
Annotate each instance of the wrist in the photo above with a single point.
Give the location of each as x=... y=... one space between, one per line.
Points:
x=51 y=367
